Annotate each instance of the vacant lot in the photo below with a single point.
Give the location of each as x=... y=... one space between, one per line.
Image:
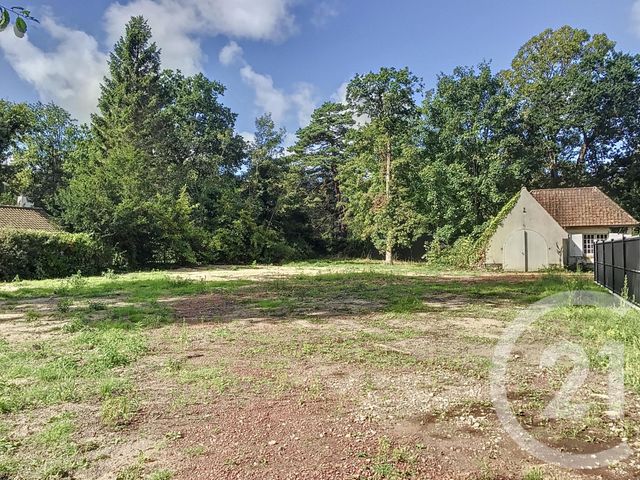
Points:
x=309 y=371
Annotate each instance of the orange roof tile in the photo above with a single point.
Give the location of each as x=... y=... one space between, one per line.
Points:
x=582 y=207
x=22 y=218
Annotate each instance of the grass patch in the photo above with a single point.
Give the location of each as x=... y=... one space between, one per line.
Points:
x=51 y=453
x=362 y=314
x=595 y=327
x=216 y=379
x=393 y=463
x=73 y=368
x=536 y=473
x=160 y=475
x=135 y=287
x=118 y=412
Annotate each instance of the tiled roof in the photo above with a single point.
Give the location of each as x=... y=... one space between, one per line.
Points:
x=22 y=218
x=582 y=207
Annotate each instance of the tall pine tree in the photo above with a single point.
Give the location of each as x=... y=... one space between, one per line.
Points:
x=132 y=95
x=380 y=177
x=124 y=191
x=321 y=150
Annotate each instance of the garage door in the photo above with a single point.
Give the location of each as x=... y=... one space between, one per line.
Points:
x=525 y=251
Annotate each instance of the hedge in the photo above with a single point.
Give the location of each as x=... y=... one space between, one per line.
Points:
x=30 y=254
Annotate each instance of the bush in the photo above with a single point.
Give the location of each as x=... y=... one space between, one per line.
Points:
x=469 y=251
x=36 y=255
x=458 y=255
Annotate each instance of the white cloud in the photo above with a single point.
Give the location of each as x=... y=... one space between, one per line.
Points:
x=302 y=98
x=248 y=136
x=340 y=95
x=289 y=140
x=68 y=74
x=635 y=17
x=179 y=25
x=230 y=53
x=323 y=12
x=269 y=98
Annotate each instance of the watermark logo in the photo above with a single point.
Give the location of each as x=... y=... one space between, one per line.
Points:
x=562 y=405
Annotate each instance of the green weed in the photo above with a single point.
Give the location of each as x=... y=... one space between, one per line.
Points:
x=118 y=411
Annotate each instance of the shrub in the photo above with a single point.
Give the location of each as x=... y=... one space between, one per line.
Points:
x=36 y=255
x=458 y=255
x=469 y=251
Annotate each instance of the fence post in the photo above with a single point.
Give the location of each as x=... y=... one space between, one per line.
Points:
x=595 y=263
x=596 y=268
x=613 y=267
x=624 y=261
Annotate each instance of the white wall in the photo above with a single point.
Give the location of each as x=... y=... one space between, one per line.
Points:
x=576 y=240
x=529 y=215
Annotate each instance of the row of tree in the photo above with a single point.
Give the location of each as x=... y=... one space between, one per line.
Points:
x=161 y=175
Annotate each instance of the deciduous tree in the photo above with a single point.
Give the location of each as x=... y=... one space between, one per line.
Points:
x=379 y=179
x=475 y=162
x=578 y=97
x=42 y=161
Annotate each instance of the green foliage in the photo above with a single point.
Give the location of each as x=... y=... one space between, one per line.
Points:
x=162 y=177
x=121 y=191
x=20 y=14
x=458 y=255
x=620 y=179
x=599 y=326
x=382 y=194
x=36 y=254
x=131 y=95
x=321 y=151
x=574 y=91
x=624 y=293
x=161 y=475
x=158 y=180
x=63 y=306
x=117 y=412
x=15 y=121
x=274 y=183
x=467 y=252
x=535 y=473
x=482 y=243
x=474 y=155
x=42 y=161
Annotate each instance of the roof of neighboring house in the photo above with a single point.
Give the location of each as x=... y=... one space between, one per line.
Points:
x=24 y=218
x=583 y=207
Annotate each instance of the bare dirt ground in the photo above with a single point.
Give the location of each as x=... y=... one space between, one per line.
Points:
x=348 y=378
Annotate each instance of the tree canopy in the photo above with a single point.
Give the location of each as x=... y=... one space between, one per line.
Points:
x=160 y=175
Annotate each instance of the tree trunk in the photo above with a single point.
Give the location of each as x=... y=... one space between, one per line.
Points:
x=584 y=149
x=388 y=258
x=388 y=254
x=342 y=228
x=553 y=168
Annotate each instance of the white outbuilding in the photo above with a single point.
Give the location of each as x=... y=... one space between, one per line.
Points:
x=555 y=228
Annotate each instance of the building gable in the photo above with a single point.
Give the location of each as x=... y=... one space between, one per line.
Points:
x=528 y=214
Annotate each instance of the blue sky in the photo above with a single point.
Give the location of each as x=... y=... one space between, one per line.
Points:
x=288 y=56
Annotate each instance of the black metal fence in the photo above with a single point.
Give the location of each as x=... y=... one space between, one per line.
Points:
x=615 y=261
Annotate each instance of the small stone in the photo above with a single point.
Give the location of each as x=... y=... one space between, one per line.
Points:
x=272 y=443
